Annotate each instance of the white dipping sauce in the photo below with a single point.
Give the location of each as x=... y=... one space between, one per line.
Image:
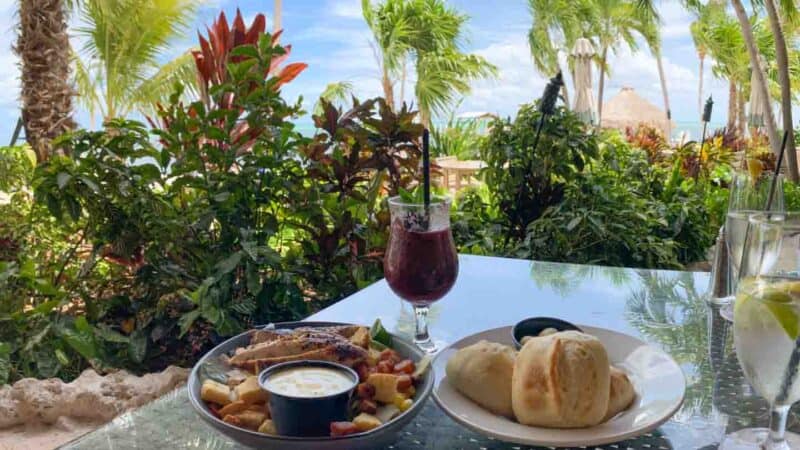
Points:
x=308 y=382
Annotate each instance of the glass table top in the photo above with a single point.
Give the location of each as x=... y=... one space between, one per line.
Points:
x=664 y=308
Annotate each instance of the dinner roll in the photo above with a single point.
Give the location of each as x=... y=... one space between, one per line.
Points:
x=482 y=372
x=621 y=393
x=561 y=381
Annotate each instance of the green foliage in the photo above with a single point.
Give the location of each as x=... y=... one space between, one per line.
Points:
x=458 y=137
x=524 y=181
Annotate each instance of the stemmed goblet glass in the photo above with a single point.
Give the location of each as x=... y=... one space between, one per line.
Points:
x=421 y=263
x=766 y=326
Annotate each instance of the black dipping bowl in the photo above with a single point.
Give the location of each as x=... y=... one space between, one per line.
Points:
x=307 y=416
x=535 y=325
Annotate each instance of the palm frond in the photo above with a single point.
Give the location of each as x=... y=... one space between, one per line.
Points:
x=127 y=38
x=158 y=88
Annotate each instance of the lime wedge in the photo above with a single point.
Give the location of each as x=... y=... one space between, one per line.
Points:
x=786 y=315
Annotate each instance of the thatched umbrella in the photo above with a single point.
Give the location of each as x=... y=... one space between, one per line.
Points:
x=584 y=105
x=629 y=109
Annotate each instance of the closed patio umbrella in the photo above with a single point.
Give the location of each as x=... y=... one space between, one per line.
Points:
x=755 y=114
x=584 y=105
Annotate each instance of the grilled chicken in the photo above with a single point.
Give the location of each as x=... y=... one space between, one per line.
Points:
x=346 y=345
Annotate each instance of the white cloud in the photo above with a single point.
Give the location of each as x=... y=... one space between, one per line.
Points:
x=348 y=9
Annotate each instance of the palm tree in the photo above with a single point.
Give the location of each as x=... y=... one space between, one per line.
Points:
x=119 y=68
x=336 y=93
x=431 y=33
x=394 y=37
x=46 y=91
x=758 y=72
x=617 y=23
x=556 y=25
x=782 y=59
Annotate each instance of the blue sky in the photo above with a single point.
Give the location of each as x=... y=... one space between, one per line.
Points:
x=331 y=36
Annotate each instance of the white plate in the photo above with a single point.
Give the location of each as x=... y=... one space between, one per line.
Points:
x=657 y=378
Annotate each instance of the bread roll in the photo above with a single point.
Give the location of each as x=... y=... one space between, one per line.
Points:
x=561 y=381
x=621 y=393
x=482 y=372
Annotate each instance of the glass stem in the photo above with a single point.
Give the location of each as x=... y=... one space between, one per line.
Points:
x=421 y=336
x=777 y=428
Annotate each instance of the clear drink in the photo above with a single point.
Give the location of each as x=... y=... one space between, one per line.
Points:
x=766 y=324
x=735 y=233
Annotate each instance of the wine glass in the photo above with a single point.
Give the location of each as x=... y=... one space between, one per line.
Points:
x=766 y=326
x=749 y=195
x=421 y=263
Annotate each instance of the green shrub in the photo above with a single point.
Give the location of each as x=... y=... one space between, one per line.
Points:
x=524 y=182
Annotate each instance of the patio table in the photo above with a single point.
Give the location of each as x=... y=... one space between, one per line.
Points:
x=664 y=308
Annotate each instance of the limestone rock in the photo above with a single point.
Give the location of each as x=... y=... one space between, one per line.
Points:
x=91 y=397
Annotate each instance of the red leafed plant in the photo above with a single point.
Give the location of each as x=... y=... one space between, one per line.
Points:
x=214 y=54
x=217 y=51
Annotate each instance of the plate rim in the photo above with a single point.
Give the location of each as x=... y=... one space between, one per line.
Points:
x=645 y=428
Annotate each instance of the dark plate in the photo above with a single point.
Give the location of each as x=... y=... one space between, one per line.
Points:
x=211 y=366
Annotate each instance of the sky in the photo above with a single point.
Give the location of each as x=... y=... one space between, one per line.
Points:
x=332 y=37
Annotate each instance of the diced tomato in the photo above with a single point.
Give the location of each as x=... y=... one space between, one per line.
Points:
x=405 y=366
x=214 y=410
x=385 y=367
x=368 y=406
x=363 y=371
x=390 y=355
x=365 y=391
x=343 y=428
x=404 y=382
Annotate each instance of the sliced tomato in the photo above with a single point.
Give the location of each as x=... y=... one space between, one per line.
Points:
x=405 y=366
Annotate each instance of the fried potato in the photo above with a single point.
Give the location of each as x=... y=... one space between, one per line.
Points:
x=385 y=386
x=233 y=408
x=214 y=392
x=267 y=427
x=251 y=419
x=250 y=392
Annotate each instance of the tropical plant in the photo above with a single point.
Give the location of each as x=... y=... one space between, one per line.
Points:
x=185 y=224
x=341 y=222
x=119 y=68
x=525 y=181
x=432 y=33
x=46 y=91
x=336 y=93
x=556 y=25
x=618 y=23
x=457 y=137
x=787 y=10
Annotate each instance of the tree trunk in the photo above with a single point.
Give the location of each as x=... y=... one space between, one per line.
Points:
x=731 y=123
x=388 y=88
x=700 y=105
x=46 y=92
x=761 y=78
x=403 y=84
x=277 y=13
x=601 y=86
x=564 y=91
x=425 y=118
x=740 y=111
x=664 y=92
x=782 y=59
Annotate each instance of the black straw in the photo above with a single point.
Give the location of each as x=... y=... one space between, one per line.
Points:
x=778 y=163
x=426 y=168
